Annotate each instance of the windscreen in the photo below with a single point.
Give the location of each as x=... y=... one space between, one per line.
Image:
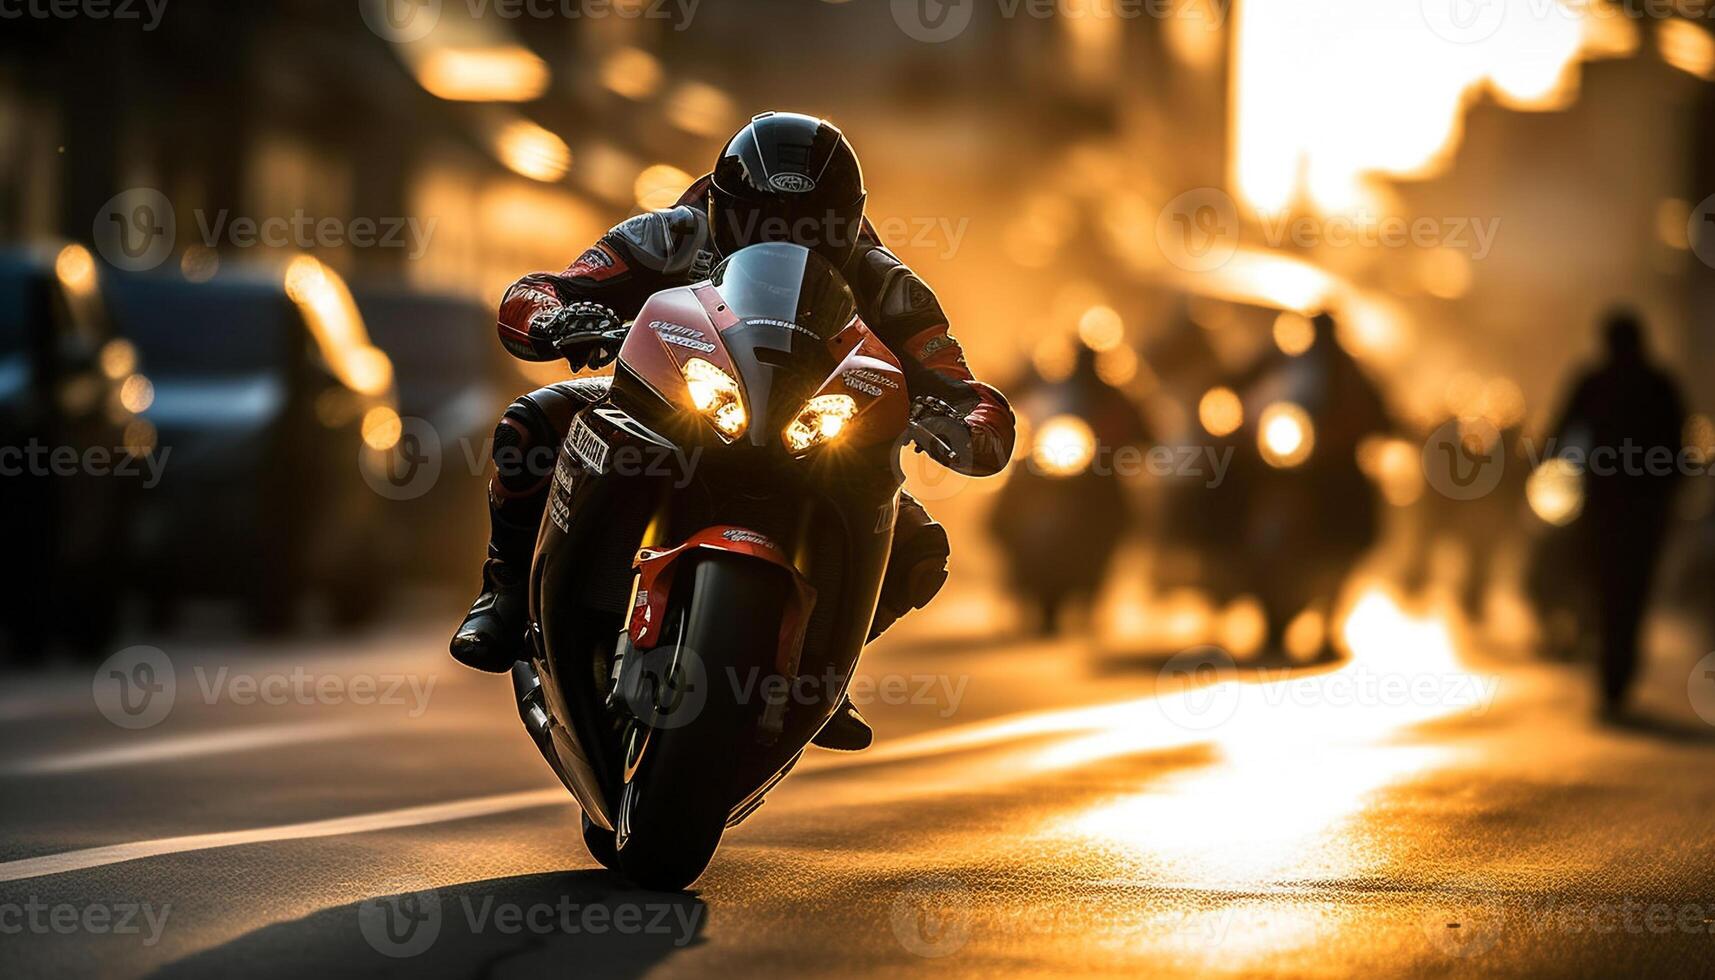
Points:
x=789 y=303
x=785 y=283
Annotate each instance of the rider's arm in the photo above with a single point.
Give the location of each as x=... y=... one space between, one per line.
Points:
x=908 y=318
x=630 y=263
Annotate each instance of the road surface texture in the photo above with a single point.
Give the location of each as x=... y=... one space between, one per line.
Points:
x=362 y=807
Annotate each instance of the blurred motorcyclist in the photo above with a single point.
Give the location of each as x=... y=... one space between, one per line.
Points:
x=1071 y=486
x=783 y=177
x=1309 y=522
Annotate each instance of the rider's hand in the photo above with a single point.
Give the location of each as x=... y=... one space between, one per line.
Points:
x=939 y=430
x=586 y=334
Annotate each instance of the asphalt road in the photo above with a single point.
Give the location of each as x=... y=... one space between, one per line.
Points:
x=359 y=807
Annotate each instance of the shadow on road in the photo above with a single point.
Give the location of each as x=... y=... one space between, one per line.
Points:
x=582 y=922
x=1665 y=729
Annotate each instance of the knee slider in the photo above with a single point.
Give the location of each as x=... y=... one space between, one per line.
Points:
x=917 y=570
x=524 y=448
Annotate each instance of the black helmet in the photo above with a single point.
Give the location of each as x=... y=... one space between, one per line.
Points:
x=788 y=177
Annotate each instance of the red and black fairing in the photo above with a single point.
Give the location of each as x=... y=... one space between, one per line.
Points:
x=627 y=522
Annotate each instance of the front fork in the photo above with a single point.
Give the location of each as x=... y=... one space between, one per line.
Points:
x=641 y=687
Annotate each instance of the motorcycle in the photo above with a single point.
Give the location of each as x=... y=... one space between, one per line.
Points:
x=711 y=556
x=1080 y=508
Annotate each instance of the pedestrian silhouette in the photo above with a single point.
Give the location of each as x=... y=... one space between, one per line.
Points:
x=1627 y=415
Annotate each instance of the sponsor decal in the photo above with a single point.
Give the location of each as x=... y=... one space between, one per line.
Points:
x=785 y=324
x=858 y=384
x=873 y=377
x=560 y=512
x=701 y=346
x=739 y=535
x=595 y=263
x=792 y=183
x=565 y=474
x=675 y=333
x=589 y=447
x=939 y=342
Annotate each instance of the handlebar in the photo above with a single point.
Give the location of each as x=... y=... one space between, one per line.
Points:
x=931 y=443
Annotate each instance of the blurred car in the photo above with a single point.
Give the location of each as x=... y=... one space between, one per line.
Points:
x=67 y=384
x=272 y=401
x=453 y=380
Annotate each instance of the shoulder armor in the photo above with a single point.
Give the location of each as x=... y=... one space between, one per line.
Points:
x=673 y=241
x=889 y=293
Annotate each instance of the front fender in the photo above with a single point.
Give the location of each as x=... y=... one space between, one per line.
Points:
x=656 y=569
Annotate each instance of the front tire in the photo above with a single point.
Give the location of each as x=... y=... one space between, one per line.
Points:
x=676 y=803
x=600 y=844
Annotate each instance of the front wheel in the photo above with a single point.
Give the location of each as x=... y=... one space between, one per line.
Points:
x=600 y=844
x=682 y=790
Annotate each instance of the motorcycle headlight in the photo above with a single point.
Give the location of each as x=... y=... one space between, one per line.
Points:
x=1064 y=446
x=716 y=396
x=1285 y=435
x=822 y=419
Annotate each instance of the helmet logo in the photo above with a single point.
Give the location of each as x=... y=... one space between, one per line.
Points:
x=792 y=183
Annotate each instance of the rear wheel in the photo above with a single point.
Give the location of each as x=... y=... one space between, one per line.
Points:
x=677 y=800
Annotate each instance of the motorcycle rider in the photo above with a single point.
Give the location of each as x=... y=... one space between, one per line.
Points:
x=783 y=177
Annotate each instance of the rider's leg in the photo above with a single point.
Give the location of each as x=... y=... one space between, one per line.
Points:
x=526 y=444
x=916 y=570
x=916 y=566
